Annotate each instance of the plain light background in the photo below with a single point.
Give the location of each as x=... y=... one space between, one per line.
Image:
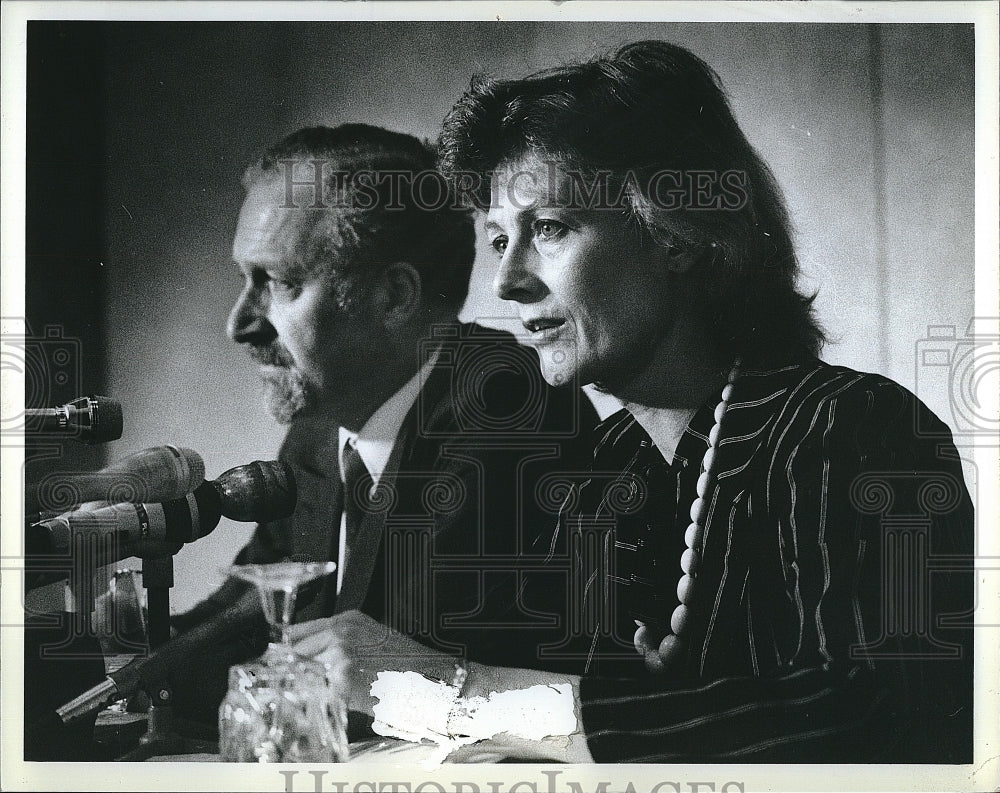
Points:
x=869 y=130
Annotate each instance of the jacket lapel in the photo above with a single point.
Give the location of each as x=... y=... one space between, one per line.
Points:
x=315 y=527
x=364 y=552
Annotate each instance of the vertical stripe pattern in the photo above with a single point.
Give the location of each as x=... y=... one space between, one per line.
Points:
x=800 y=651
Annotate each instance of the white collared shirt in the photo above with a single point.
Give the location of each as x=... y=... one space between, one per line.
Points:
x=375 y=442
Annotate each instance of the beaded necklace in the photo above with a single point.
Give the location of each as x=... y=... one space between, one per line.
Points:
x=668 y=650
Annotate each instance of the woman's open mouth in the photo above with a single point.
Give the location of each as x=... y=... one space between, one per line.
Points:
x=542 y=328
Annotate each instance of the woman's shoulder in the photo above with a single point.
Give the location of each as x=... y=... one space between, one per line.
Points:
x=810 y=398
x=814 y=380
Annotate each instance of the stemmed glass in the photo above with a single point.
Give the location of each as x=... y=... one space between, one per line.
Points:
x=278 y=585
x=283 y=708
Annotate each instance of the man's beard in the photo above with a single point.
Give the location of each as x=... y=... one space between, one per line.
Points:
x=286 y=392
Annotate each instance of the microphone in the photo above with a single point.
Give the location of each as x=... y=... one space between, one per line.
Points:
x=162 y=473
x=158 y=667
x=259 y=491
x=90 y=419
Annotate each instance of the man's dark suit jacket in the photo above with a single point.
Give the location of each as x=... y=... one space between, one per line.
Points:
x=446 y=553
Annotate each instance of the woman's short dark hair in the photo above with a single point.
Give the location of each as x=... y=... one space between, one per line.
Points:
x=649 y=131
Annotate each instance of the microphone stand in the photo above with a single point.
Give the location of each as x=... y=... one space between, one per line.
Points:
x=158 y=579
x=161 y=737
x=256 y=492
x=86 y=574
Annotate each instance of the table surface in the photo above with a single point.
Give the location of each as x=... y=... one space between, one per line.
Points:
x=117 y=727
x=379 y=750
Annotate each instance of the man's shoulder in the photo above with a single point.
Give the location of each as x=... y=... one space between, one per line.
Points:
x=486 y=385
x=308 y=441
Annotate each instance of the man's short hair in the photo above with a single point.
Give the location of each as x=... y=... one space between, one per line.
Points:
x=652 y=121
x=380 y=200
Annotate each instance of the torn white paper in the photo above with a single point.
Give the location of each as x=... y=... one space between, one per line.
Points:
x=531 y=713
x=414 y=708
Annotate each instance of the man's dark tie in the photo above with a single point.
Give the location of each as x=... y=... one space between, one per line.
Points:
x=357 y=485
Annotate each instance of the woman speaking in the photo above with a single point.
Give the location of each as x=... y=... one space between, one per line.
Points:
x=768 y=561
x=753 y=551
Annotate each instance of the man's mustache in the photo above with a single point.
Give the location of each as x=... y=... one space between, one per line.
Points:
x=272 y=355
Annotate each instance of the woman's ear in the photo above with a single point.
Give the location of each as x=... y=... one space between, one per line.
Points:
x=680 y=258
x=398 y=294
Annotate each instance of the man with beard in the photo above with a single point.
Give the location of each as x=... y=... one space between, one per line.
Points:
x=356 y=260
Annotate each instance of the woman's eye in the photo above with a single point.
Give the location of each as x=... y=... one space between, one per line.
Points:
x=549 y=229
x=499 y=244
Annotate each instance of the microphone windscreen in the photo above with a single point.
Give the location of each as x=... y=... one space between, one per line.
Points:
x=259 y=491
x=106 y=422
x=161 y=473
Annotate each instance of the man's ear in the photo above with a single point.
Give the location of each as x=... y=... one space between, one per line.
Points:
x=398 y=294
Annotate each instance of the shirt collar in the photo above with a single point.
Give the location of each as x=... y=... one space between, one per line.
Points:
x=378 y=436
x=693 y=440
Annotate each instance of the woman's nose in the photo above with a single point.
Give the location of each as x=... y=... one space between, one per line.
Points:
x=516 y=279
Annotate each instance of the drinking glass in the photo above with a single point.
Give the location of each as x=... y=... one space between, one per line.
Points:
x=284 y=708
x=120 y=615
